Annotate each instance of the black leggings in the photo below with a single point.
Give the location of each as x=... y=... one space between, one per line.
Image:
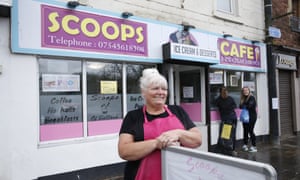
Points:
x=249 y=130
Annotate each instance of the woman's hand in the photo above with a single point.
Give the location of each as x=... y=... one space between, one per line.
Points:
x=168 y=138
x=189 y=138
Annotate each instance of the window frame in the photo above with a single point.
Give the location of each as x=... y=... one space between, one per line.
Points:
x=227 y=83
x=84 y=106
x=231 y=16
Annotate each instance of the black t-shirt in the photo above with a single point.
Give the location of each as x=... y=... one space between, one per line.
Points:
x=133 y=124
x=227 y=108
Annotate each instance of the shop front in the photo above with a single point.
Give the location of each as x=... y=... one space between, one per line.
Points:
x=200 y=66
x=77 y=72
x=286 y=74
x=242 y=64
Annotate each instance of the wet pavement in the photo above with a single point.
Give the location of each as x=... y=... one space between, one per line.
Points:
x=283 y=156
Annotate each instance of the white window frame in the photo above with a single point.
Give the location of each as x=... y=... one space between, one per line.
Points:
x=231 y=16
x=231 y=7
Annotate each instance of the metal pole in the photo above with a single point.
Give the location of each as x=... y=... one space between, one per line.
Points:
x=271 y=66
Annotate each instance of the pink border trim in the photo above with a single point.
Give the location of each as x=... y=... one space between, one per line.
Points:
x=215 y=115
x=193 y=110
x=61 y=131
x=104 y=127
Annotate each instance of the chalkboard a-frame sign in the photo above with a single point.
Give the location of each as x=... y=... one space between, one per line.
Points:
x=179 y=163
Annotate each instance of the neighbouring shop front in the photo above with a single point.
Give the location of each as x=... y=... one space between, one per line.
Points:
x=82 y=69
x=286 y=74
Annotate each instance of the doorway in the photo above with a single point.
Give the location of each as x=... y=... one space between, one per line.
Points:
x=189 y=90
x=285 y=104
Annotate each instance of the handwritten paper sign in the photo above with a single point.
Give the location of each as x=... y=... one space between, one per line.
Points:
x=108 y=87
x=179 y=163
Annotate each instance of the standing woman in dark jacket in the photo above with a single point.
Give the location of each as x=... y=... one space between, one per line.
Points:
x=226 y=106
x=248 y=101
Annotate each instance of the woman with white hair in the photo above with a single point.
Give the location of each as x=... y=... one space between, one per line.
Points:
x=155 y=126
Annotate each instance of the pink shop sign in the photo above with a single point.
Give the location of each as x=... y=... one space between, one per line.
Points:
x=239 y=54
x=75 y=30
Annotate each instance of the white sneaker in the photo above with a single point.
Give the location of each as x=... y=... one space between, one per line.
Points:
x=245 y=147
x=252 y=149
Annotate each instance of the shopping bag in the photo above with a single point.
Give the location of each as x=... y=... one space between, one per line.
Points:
x=226 y=137
x=244 y=116
x=226 y=131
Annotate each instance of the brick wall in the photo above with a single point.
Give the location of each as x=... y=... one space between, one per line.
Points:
x=288 y=37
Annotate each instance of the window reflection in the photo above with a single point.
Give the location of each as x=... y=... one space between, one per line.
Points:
x=104 y=91
x=233 y=80
x=134 y=97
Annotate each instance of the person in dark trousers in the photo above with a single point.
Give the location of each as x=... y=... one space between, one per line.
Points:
x=227 y=105
x=155 y=126
x=248 y=101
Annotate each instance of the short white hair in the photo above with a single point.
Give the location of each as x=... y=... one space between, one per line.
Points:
x=151 y=76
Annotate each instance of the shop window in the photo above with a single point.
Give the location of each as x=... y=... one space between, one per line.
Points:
x=67 y=110
x=104 y=97
x=250 y=81
x=134 y=97
x=216 y=81
x=234 y=85
x=60 y=99
x=233 y=81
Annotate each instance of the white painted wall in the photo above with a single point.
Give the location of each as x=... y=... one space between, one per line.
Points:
x=297 y=101
x=198 y=13
x=21 y=155
x=5 y=2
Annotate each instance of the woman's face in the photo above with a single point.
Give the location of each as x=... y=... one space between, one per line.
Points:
x=246 y=91
x=224 y=93
x=155 y=95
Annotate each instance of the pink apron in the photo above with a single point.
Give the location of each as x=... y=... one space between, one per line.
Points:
x=150 y=167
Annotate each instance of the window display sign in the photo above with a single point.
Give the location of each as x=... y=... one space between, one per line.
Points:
x=60 y=82
x=108 y=87
x=215 y=78
x=134 y=101
x=60 y=109
x=104 y=107
x=188 y=92
x=234 y=81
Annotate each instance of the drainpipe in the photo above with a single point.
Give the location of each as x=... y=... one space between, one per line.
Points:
x=271 y=68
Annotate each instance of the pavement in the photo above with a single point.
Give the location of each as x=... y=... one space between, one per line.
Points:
x=284 y=156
